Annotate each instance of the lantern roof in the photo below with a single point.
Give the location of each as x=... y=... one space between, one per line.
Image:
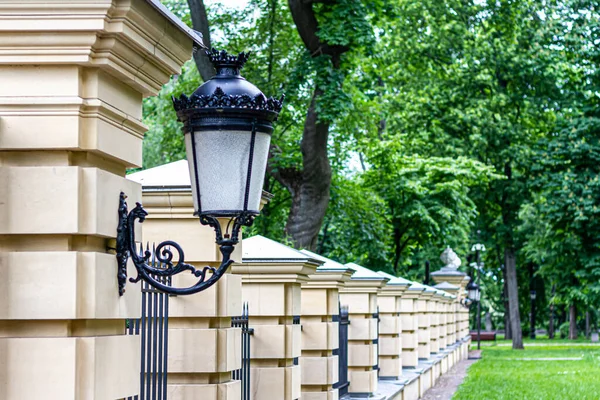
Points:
x=227 y=99
x=261 y=249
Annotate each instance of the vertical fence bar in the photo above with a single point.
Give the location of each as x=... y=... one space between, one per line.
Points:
x=152 y=328
x=376 y=341
x=166 y=348
x=161 y=344
x=296 y=321
x=342 y=352
x=249 y=332
x=243 y=373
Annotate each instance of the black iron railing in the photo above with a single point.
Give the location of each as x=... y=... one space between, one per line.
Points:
x=342 y=351
x=153 y=328
x=243 y=374
x=376 y=341
x=296 y=321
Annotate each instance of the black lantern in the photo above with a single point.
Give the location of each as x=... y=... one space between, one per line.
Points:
x=473 y=291
x=227 y=124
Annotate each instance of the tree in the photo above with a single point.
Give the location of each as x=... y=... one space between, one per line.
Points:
x=480 y=80
x=328 y=30
x=560 y=223
x=427 y=197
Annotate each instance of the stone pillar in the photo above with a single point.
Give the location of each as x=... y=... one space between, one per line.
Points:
x=194 y=371
x=409 y=323
x=449 y=311
x=434 y=319
x=449 y=273
x=73 y=74
x=360 y=295
x=272 y=275
x=424 y=307
x=320 y=334
x=463 y=312
x=390 y=331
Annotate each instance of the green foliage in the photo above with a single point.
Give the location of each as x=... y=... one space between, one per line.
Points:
x=564 y=330
x=427 y=197
x=446 y=117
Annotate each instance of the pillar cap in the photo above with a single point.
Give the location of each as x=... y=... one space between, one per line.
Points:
x=259 y=249
x=395 y=280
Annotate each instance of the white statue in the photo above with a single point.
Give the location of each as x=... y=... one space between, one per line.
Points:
x=450 y=260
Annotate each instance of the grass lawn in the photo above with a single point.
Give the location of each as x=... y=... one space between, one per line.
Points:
x=504 y=373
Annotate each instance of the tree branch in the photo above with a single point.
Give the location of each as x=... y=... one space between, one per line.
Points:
x=200 y=24
x=308 y=27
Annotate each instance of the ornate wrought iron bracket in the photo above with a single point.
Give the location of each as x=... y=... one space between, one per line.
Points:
x=165 y=253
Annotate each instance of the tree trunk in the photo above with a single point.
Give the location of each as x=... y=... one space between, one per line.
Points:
x=310 y=196
x=587 y=324
x=513 y=298
x=551 y=323
x=573 y=322
x=507 y=328
x=200 y=24
x=311 y=186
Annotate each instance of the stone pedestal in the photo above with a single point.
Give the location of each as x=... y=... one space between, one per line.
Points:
x=389 y=300
x=438 y=329
x=409 y=323
x=425 y=311
x=360 y=295
x=450 y=274
x=450 y=307
x=320 y=334
x=194 y=371
x=272 y=275
x=73 y=78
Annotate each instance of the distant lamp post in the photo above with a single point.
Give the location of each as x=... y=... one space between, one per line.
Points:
x=227 y=126
x=532 y=296
x=478 y=248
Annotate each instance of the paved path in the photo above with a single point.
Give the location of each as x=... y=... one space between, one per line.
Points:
x=447 y=384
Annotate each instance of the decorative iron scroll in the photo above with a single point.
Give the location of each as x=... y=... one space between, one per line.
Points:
x=219 y=99
x=166 y=251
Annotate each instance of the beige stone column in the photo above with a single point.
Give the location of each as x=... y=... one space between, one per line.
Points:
x=390 y=331
x=194 y=371
x=73 y=75
x=320 y=330
x=272 y=275
x=360 y=295
x=434 y=319
x=409 y=323
x=450 y=310
x=424 y=307
x=450 y=273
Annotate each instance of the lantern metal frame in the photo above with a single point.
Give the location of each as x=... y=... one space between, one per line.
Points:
x=244 y=107
x=473 y=287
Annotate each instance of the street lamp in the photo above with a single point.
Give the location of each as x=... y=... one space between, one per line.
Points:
x=227 y=126
x=532 y=296
x=473 y=291
x=477 y=248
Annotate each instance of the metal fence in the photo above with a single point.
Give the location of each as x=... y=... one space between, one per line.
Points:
x=296 y=321
x=376 y=340
x=153 y=328
x=342 y=351
x=243 y=374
